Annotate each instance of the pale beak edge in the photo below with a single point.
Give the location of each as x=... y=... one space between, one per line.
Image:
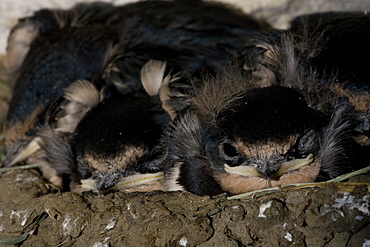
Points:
x=286 y=167
x=127 y=182
x=32 y=147
x=246 y=171
x=138 y=179
x=293 y=165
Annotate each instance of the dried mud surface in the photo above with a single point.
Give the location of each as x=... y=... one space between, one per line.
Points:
x=322 y=216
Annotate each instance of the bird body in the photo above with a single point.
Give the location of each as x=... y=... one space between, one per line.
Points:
x=275 y=122
x=232 y=105
x=108 y=45
x=129 y=129
x=344 y=37
x=193 y=37
x=58 y=54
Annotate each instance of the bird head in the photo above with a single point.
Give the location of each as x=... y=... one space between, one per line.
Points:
x=238 y=136
x=103 y=140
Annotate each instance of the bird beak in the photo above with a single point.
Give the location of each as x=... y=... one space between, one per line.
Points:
x=88 y=184
x=30 y=149
x=138 y=179
x=293 y=165
x=246 y=171
x=127 y=182
x=250 y=171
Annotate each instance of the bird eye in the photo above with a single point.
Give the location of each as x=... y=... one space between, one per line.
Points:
x=308 y=143
x=229 y=150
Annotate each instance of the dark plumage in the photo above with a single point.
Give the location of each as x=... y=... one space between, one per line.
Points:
x=329 y=45
x=194 y=37
x=105 y=141
x=45 y=20
x=343 y=40
x=125 y=145
x=63 y=47
x=273 y=123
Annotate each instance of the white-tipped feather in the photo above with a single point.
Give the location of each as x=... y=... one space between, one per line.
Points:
x=151 y=76
x=83 y=92
x=82 y=96
x=19 y=42
x=164 y=95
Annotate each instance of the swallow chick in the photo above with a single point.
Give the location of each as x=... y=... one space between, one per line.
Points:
x=44 y=20
x=54 y=48
x=105 y=141
x=344 y=42
x=195 y=37
x=47 y=53
x=240 y=135
x=327 y=44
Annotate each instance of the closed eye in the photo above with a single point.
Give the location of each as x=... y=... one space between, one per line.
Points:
x=305 y=145
x=229 y=150
x=308 y=143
